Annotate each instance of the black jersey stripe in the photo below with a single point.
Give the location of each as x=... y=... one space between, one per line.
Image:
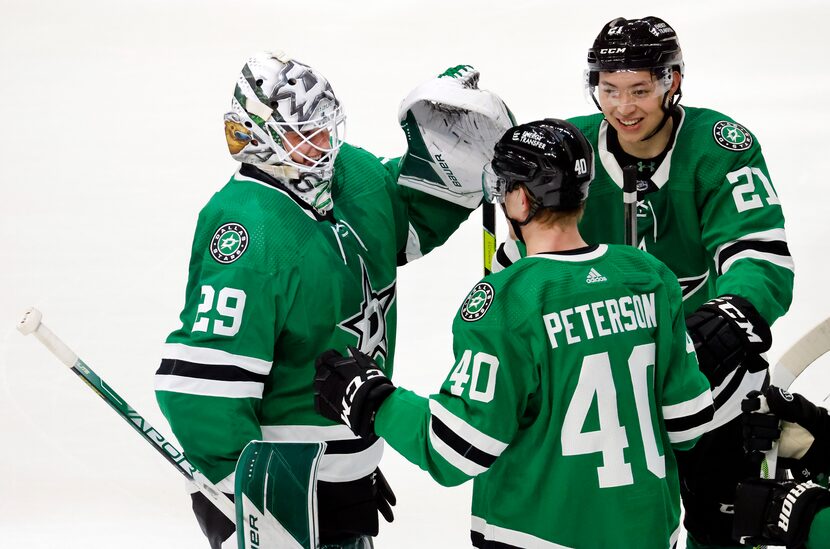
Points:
x=350 y=446
x=215 y=372
x=774 y=247
x=680 y=424
x=461 y=446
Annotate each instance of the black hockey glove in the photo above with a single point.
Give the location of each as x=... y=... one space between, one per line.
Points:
x=384 y=496
x=349 y=390
x=769 y=512
x=724 y=330
x=805 y=456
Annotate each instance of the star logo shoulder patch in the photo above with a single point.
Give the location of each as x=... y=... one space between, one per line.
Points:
x=229 y=242
x=732 y=136
x=477 y=302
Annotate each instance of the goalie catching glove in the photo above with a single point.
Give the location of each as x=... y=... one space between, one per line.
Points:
x=804 y=444
x=777 y=513
x=350 y=389
x=724 y=331
x=451 y=127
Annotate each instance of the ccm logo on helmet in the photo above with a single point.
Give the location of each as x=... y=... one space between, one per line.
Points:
x=612 y=50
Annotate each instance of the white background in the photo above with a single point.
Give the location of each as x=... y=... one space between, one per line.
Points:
x=113 y=141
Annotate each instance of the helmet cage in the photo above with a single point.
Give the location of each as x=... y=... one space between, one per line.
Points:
x=285 y=113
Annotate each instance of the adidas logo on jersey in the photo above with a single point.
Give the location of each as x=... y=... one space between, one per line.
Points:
x=594 y=276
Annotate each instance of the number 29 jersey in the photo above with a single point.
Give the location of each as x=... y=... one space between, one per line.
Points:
x=271 y=285
x=574 y=378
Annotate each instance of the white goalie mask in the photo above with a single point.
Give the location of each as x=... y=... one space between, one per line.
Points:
x=286 y=120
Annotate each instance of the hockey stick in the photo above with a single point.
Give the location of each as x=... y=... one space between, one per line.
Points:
x=801 y=354
x=630 y=204
x=31 y=324
x=488 y=222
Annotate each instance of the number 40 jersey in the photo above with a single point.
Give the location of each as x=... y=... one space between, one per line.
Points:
x=574 y=379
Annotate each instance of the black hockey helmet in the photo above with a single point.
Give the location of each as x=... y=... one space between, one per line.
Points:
x=635 y=44
x=550 y=157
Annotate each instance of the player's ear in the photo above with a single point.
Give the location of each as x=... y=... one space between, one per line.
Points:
x=525 y=200
x=675 y=82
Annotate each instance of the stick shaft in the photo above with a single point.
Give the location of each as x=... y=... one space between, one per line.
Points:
x=488 y=219
x=173 y=455
x=630 y=204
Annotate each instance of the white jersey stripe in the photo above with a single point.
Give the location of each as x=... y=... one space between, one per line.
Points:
x=205 y=355
x=676 y=437
x=775 y=259
x=208 y=387
x=511 y=537
x=689 y=407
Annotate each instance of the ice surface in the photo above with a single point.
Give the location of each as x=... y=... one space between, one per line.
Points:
x=113 y=141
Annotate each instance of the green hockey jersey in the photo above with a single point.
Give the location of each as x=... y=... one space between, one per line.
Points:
x=271 y=285
x=709 y=212
x=574 y=378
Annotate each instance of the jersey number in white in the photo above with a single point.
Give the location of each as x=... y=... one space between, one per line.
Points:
x=460 y=377
x=229 y=304
x=610 y=440
x=744 y=193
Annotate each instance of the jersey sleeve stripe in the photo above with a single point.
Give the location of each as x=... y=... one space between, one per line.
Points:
x=204 y=355
x=215 y=372
x=506 y=254
x=690 y=419
x=731 y=392
x=208 y=387
x=689 y=407
x=466 y=431
x=459 y=445
x=691 y=422
x=781 y=261
x=766 y=245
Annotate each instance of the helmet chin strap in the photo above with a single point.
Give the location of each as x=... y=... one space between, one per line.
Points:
x=667 y=112
x=517 y=225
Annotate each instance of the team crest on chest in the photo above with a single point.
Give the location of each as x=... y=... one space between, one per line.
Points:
x=369 y=324
x=477 y=302
x=732 y=136
x=229 y=242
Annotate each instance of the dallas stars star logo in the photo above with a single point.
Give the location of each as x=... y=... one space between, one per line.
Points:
x=369 y=325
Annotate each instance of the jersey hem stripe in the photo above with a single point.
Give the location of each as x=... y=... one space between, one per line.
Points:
x=498 y=537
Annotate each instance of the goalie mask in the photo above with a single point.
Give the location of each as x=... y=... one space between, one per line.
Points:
x=286 y=120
